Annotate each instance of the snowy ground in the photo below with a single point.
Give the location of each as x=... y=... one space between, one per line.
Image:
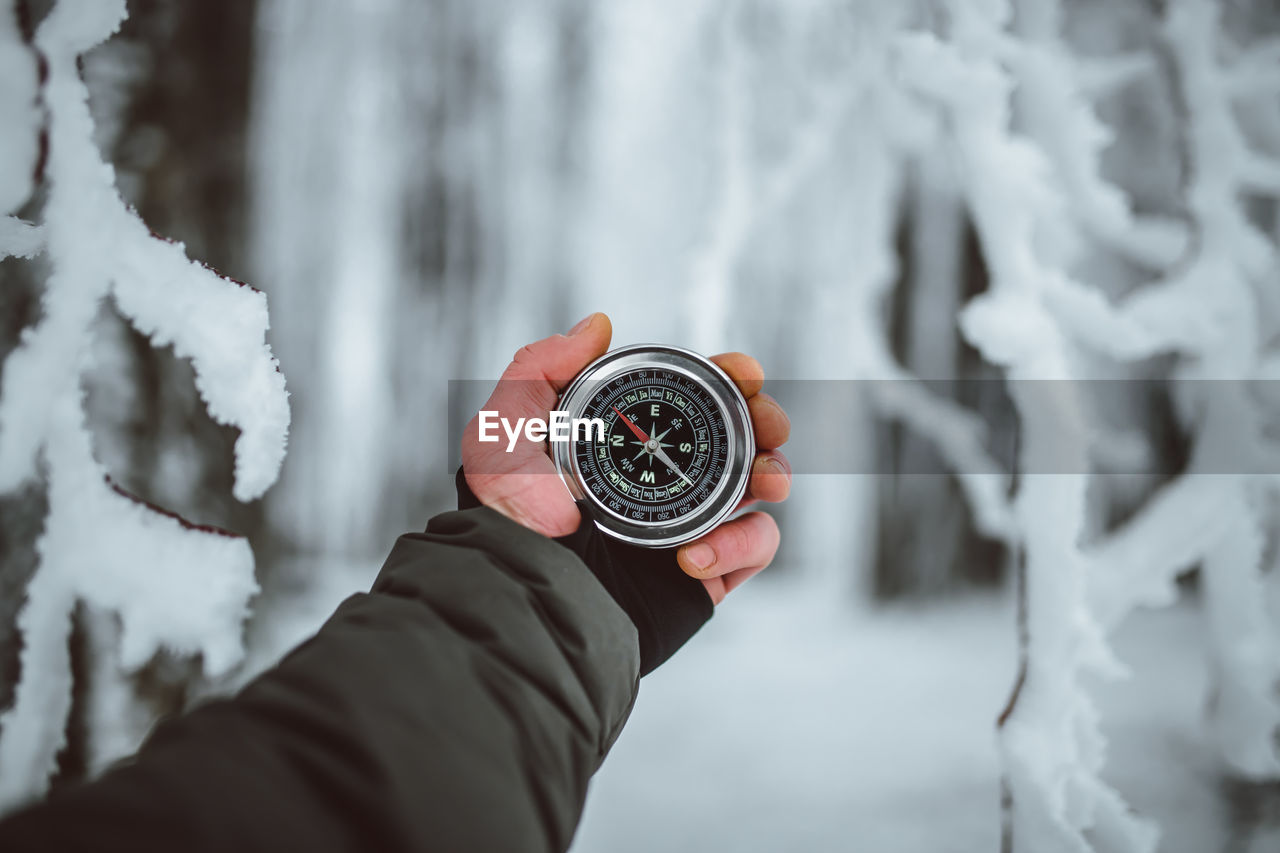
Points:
x=780 y=729
x=787 y=725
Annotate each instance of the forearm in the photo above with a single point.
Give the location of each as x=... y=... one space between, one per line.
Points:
x=462 y=704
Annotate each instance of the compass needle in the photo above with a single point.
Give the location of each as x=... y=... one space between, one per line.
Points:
x=666 y=460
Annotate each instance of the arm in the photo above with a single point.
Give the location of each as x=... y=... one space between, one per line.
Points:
x=465 y=701
x=462 y=704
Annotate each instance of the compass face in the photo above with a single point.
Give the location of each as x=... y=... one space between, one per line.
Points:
x=677 y=446
x=678 y=417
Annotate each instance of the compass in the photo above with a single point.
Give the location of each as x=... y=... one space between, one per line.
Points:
x=675 y=455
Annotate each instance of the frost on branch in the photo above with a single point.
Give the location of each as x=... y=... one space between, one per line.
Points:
x=1214 y=310
x=1038 y=200
x=1051 y=748
x=174 y=585
x=752 y=189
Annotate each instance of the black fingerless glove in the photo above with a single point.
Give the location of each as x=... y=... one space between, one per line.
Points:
x=665 y=604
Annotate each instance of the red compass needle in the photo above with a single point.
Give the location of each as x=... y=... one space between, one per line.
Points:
x=639 y=433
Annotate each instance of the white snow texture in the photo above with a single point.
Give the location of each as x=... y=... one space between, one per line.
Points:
x=990 y=89
x=173 y=585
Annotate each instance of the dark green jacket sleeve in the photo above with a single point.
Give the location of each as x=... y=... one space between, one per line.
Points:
x=461 y=705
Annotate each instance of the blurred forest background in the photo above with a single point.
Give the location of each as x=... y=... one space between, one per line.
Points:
x=422 y=186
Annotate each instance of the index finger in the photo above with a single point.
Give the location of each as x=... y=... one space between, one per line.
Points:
x=744 y=370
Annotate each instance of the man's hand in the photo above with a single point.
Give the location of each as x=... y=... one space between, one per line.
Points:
x=517 y=484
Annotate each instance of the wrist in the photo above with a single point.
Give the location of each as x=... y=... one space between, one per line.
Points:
x=550 y=525
x=665 y=605
x=551 y=519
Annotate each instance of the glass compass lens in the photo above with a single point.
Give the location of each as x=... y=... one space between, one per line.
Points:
x=677 y=446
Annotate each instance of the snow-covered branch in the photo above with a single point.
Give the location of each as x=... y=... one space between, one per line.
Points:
x=173 y=300
x=959 y=436
x=1213 y=310
x=101 y=545
x=1057 y=95
x=1137 y=566
x=1051 y=748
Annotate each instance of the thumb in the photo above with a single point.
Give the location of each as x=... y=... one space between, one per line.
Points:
x=513 y=480
x=541 y=370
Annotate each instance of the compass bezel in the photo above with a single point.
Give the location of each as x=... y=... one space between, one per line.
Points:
x=740 y=442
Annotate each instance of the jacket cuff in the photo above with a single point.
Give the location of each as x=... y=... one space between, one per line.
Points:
x=666 y=606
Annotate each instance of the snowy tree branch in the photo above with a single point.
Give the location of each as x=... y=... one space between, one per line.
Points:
x=1209 y=311
x=1137 y=566
x=101 y=545
x=1051 y=749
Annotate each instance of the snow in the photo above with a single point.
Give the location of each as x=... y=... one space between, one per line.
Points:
x=1138 y=565
x=784 y=728
x=99 y=246
x=752 y=163
x=1038 y=199
x=789 y=725
x=174 y=586
x=1057 y=95
x=1223 y=283
x=1242 y=650
x=1051 y=748
x=220 y=325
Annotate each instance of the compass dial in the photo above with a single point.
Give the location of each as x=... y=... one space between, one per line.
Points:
x=677 y=444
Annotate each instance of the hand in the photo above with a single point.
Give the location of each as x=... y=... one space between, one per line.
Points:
x=523 y=484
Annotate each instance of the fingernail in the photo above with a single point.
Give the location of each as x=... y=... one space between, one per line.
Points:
x=582 y=324
x=773 y=466
x=700 y=556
